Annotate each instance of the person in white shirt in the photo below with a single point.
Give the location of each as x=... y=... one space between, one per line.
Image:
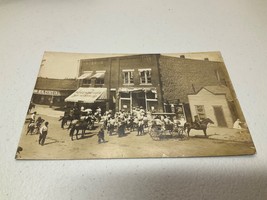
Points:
x=43 y=133
x=237 y=125
x=33 y=116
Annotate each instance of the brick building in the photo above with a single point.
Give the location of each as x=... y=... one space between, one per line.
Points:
x=181 y=77
x=122 y=82
x=152 y=81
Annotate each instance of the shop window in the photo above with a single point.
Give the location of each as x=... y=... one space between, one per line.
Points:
x=128 y=77
x=200 y=111
x=145 y=76
x=151 y=95
x=125 y=95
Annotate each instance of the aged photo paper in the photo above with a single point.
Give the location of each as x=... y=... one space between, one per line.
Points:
x=90 y=106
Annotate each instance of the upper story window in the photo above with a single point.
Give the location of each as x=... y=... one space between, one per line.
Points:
x=145 y=76
x=85 y=77
x=128 y=76
x=86 y=81
x=99 y=81
x=98 y=78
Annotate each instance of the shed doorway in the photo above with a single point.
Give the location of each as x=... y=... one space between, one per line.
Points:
x=218 y=112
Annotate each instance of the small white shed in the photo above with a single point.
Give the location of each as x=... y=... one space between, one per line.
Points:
x=212 y=102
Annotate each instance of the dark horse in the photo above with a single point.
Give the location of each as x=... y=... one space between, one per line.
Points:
x=77 y=126
x=81 y=125
x=64 y=120
x=203 y=125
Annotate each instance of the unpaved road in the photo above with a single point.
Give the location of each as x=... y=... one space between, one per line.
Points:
x=59 y=146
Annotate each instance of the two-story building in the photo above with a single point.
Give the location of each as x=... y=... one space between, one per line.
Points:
x=120 y=83
x=154 y=82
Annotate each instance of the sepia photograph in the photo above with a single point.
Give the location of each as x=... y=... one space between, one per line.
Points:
x=97 y=106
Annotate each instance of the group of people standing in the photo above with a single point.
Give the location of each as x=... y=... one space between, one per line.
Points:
x=37 y=124
x=122 y=120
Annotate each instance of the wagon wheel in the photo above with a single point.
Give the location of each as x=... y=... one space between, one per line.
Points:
x=154 y=134
x=181 y=133
x=174 y=133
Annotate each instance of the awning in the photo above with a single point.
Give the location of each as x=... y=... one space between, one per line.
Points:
x=88 y=95
x=85 y=75
x=99 y=75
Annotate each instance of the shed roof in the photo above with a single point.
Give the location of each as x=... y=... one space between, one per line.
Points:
x=217 y=90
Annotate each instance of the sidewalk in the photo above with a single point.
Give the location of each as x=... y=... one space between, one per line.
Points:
x=46 y=110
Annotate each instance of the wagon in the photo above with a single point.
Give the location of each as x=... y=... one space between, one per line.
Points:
x=160 y=130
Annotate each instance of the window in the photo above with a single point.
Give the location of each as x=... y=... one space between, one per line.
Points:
x=125 y=95
x=86 y=81
x=145 y=76
x=151 y=95
x=98 y=78
x=99 y=81
x=128 y=77
x=200 y=111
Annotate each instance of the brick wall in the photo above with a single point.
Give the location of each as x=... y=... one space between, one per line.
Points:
x=114 y=71
x=180 y=75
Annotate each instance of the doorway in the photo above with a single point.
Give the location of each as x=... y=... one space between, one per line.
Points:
x=218 y=112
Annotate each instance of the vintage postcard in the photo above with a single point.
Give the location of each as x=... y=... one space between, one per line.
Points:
x=90 y=106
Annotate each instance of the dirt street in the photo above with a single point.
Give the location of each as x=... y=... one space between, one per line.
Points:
x=58 y=144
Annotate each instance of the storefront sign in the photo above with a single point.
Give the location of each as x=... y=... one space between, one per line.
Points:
x=47 y=92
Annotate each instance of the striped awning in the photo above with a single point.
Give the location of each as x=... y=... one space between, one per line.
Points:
x=99 y=75
x=85 y=75
x=88 y=95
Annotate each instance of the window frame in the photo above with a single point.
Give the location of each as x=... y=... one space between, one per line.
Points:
x=199 y=114
x=146 y=77
x=129 y=73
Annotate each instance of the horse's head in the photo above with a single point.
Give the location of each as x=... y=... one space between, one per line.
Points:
x=207 y=121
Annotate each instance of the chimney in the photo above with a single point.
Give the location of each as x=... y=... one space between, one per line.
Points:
x=182 y=56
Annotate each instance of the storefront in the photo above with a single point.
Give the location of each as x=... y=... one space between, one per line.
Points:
x=174 y=106
x=50 y=97
x=130 y=98
x=89 y=97
x=49 y=91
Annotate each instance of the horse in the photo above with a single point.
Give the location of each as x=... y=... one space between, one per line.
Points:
x=202 y=126
x=77 y=126
x=81 y=125
x=64 y=120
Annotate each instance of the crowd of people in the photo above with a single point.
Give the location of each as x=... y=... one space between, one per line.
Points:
x=118 y=123
x=113 y=123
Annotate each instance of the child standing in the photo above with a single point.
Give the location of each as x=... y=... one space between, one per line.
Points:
x=101 y=136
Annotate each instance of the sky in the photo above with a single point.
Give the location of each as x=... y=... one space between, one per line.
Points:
x=65 y=65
